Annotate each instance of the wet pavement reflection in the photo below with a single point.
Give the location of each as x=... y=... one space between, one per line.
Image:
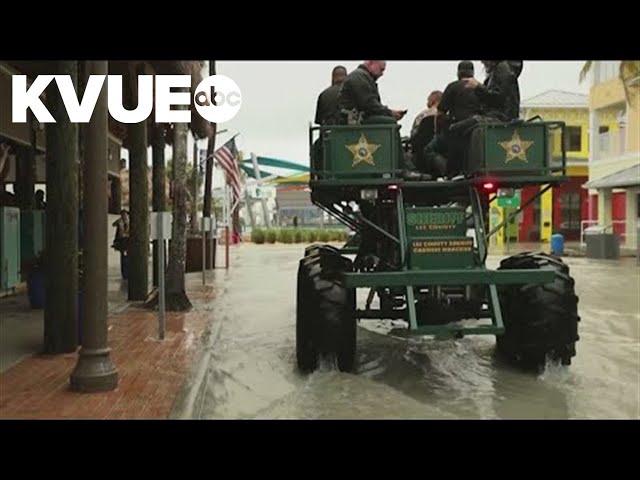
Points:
x=247 y=369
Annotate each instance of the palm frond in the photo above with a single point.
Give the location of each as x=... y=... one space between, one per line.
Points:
x=585 y=69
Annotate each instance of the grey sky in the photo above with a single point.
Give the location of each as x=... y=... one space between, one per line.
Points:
x=279 y=98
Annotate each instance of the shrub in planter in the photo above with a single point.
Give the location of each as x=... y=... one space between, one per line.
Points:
x=324 y=236
x=298 y=236
x=258 y=235
x=312 y=236
x=285 y=236
x=336 y=235
x=271 y=235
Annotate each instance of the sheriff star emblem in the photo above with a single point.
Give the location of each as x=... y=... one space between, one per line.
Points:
x=362 y=151
x=516 y=148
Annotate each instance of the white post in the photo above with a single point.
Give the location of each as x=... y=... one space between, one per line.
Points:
x=256 y=169
x=161 y=292
x=631 y=223
x=204 y=251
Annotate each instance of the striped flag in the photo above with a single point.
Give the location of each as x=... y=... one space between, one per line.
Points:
x=226 y=157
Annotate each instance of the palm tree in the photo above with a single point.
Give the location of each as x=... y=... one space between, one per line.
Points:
x=177 y=299
x=629 y=70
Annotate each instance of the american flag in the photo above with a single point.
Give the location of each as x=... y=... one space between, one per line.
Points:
x=226 y=157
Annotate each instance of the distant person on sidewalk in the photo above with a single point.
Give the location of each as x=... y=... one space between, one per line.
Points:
x=121 y=240
x=39 y=200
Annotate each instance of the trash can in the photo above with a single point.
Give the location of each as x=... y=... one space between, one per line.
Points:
x=557 y=244
x=601 y=244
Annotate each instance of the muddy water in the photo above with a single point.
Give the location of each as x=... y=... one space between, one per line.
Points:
x=247 y=369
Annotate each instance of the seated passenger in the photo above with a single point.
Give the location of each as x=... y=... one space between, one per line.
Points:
x=445 y=154
x=499 y=94
x=359 y=102
x=425 y=126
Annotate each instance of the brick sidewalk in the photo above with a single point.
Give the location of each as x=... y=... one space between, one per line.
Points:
x=151 y=372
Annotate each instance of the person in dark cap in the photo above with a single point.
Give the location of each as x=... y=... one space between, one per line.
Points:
x=327 y=105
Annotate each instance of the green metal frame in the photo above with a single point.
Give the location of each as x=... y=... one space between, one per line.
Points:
x=333 y=192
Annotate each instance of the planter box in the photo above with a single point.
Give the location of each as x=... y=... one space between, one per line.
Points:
x=194 y=254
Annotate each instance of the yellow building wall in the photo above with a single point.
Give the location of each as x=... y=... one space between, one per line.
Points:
x=573 y=117
x=606 y=93
x=633 y=125
x=603 y=95
x=546 y=215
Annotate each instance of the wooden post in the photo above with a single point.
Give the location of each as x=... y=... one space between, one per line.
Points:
x=62 y=229
x=138 y=284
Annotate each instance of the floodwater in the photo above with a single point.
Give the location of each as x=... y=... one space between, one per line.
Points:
x=247 y=368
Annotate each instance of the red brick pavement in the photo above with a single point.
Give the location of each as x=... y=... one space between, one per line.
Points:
x=151 y=372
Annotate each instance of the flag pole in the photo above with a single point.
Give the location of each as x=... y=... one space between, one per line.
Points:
x=226 y=226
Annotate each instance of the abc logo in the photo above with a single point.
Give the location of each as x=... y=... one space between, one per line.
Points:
x=218 y=98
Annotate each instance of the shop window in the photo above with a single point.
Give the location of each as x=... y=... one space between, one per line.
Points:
x=574 y=139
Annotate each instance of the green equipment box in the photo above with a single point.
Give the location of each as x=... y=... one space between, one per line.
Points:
x=352 y=151
x=9 y=247
x=504 y=149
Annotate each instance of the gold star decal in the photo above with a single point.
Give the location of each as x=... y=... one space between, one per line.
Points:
x=362 y=151
x=516 y=148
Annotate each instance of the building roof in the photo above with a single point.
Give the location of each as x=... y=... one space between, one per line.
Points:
x=557 y=98
x=629 y=177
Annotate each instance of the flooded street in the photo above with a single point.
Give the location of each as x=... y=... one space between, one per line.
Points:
x=247 y=369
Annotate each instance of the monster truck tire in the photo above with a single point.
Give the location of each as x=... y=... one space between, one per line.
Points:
x=541 y=321
x=325 y=324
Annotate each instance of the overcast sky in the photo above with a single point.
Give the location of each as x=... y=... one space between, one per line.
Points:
x=279 y=98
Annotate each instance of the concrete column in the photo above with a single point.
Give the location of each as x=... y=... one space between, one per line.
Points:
x=94 y=371
x=605 y=215
x=632 y=218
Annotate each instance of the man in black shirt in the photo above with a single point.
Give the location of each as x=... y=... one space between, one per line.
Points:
x=445 y=154
x=327 y=105
x=459 y=102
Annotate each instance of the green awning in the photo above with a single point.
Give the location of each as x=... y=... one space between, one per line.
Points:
x=252 y=174
x=275 y=162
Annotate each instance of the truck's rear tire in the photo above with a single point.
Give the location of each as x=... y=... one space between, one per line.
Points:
x=541 y=321
x=325 y=322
